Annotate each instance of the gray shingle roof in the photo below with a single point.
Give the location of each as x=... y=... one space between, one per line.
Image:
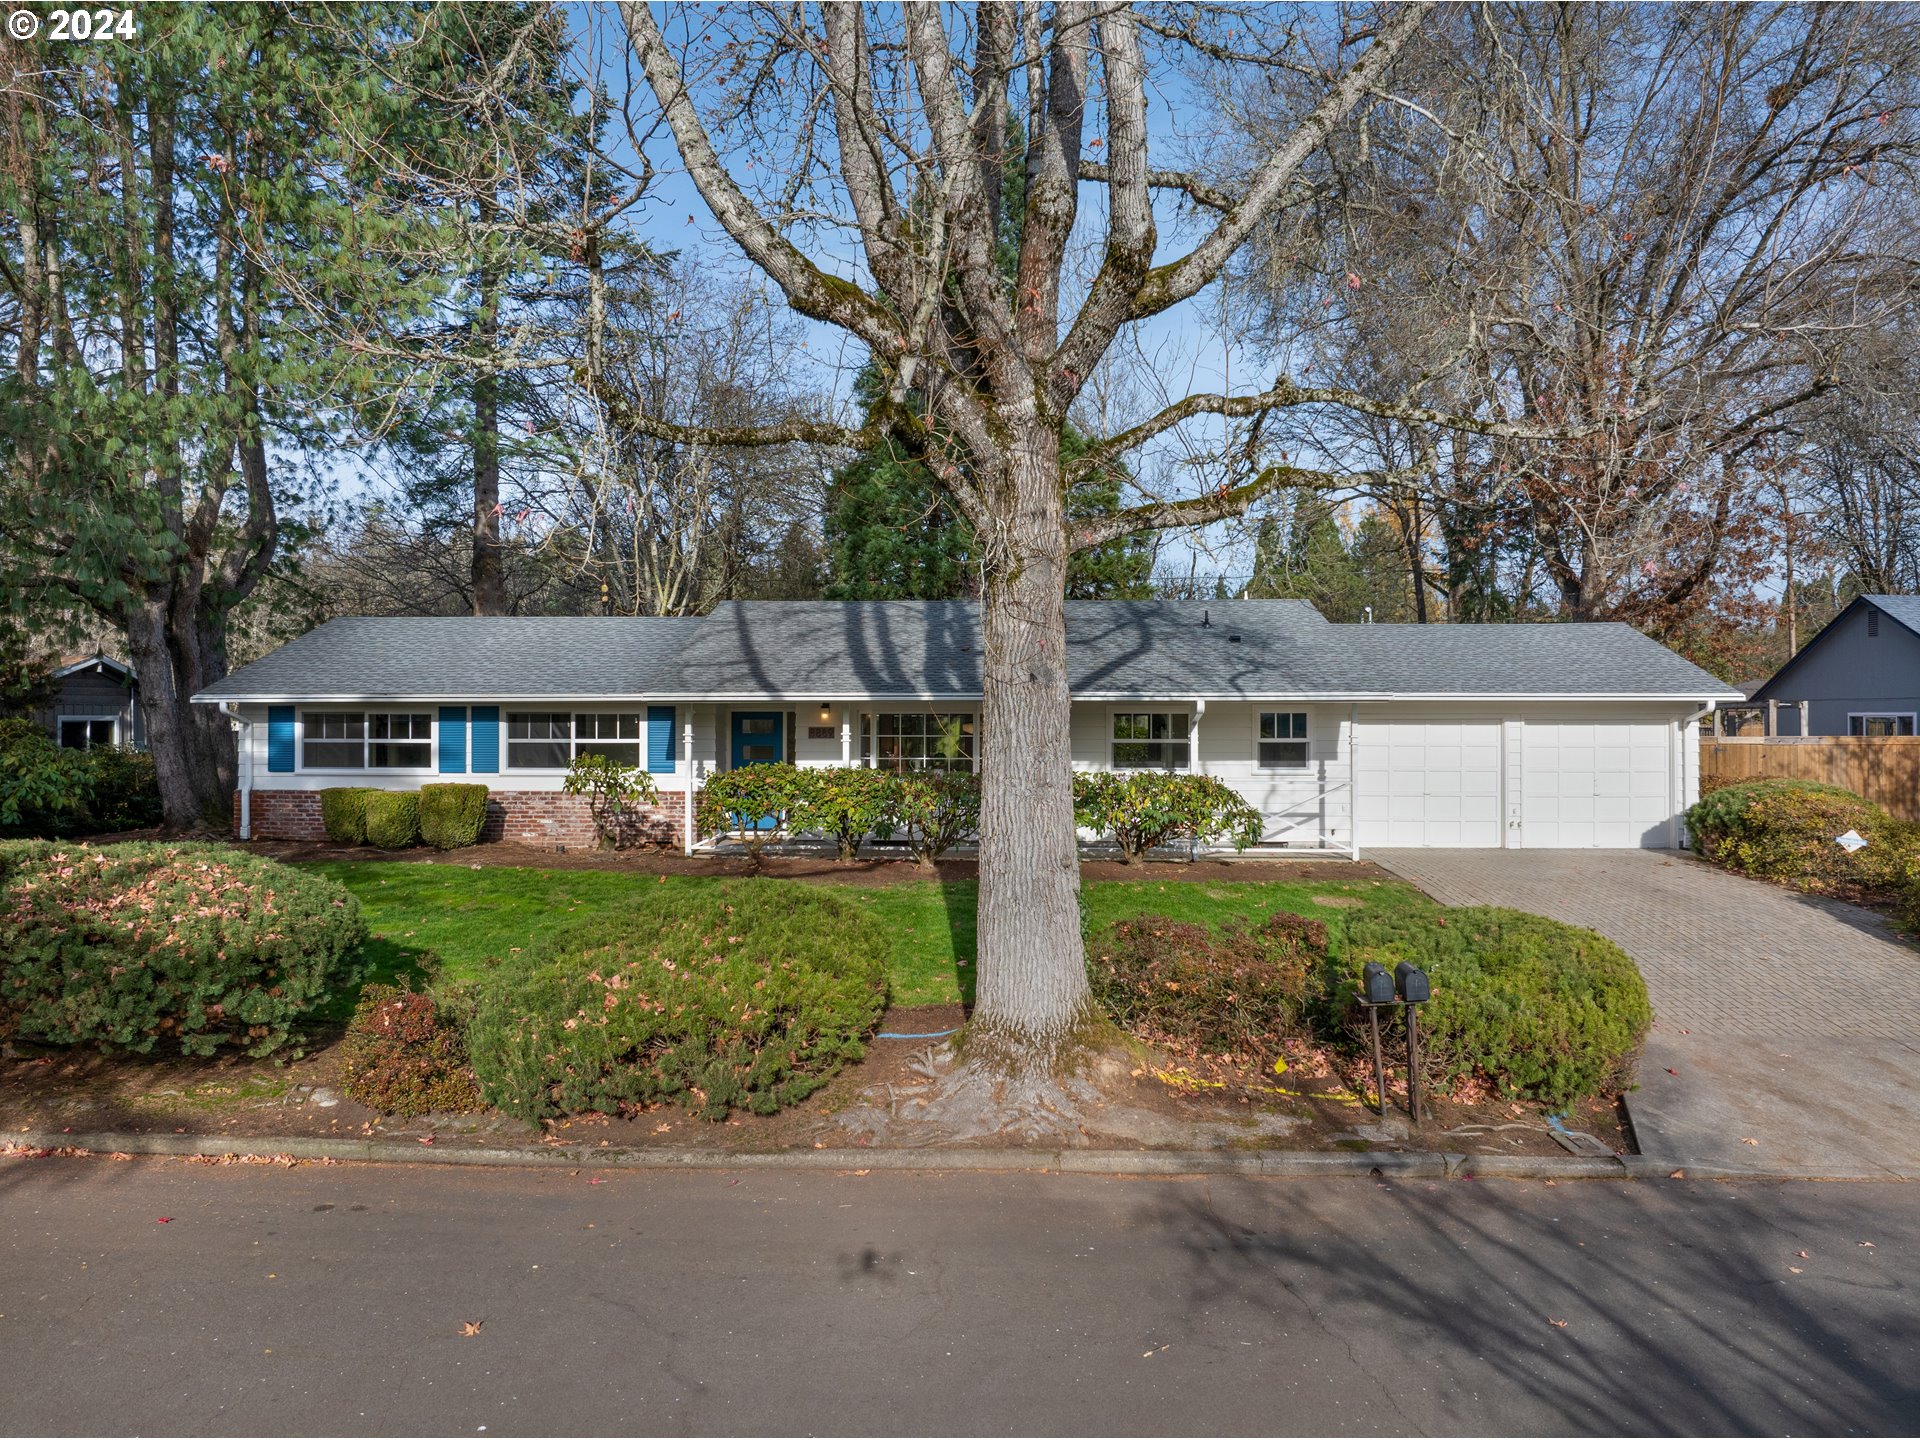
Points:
x=828 y=650
x=1126 y=649
x=463 y=657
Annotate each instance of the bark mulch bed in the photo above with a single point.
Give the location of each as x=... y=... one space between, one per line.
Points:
x=1159 y=1106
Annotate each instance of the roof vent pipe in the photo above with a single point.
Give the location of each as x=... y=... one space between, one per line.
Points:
x=1368 y=610
x=1206 y=619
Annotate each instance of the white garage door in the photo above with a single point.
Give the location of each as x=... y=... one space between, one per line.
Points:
x=1607 y=785
x=1429 y=782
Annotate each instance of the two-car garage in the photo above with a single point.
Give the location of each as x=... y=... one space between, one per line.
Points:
x=1534 y=780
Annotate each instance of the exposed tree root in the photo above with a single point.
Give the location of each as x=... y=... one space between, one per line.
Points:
x=962 y=1096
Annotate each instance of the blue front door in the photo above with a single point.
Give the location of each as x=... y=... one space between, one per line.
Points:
x=759 y=738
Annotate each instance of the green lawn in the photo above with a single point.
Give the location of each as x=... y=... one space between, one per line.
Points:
x=465 y=915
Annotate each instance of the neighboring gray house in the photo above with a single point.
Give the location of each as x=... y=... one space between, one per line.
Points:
x=1859 y=676
x=1495 y=736
x=97 y=703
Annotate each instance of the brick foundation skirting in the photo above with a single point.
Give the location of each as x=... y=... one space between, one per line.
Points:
x=526 y=817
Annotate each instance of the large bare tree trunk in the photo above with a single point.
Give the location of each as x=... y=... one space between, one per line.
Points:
x=1033 y=983
x=191 y=745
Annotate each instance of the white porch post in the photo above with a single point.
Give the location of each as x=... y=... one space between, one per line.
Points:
x=1353 y=782
x=846 y=735
x=1773 y=718
x=686 y=761
x=1804 y=731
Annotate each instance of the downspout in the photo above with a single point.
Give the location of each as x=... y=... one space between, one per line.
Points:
x=1353 y=782
x=243 y=728
x=1193 y=765
x=1682 y=840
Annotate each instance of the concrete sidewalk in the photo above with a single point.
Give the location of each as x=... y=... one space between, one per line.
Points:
x=1782 y=1019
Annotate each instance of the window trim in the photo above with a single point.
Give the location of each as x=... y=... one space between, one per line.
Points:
x=1913 y=724
x=1192 y=767
x=866 y=743
x=86 y=717
x=1306 y=740
x=300 y=766
x=573 y=713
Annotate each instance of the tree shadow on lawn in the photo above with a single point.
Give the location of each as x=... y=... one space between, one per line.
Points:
x=381 y=961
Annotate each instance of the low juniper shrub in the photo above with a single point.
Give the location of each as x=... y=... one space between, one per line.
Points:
x=138 y=946
x=1535 y=1007
x=746 y=995
x=1788 y=831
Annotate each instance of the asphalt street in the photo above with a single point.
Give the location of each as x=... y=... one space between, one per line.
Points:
x=166 y=1297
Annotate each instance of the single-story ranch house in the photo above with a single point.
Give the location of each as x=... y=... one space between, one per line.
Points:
x=1342 y=735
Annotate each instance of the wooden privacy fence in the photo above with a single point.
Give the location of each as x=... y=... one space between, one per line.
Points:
x=1885 y=769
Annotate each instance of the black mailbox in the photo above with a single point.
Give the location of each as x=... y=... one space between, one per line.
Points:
x=1376 y=985
x=1413 y=984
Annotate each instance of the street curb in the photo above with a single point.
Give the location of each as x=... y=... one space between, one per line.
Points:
x=1256 y=1164
x=1386 y=1164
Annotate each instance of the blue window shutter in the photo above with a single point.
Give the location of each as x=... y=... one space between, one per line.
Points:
x=280 y=739
x=453 y=739
x=660 y=739
x=486 y=739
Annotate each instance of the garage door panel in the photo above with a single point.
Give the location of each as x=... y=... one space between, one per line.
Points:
x=1429 y=783
x=1595 y=785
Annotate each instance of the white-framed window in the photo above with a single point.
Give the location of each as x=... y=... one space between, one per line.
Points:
x=88 y=732
x=1151 y=739
x=1282 y=743
x=1880 y=724
x=919 y=740
x=366 y=740
x=550 y=739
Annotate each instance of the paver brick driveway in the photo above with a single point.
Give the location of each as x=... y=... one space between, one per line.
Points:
x=1784 y=1019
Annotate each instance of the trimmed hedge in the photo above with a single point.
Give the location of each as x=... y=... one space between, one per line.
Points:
x=124 y=947
x=748 y=994
x=1785 y=830
x=1537 y=1007
x=393 y=819
x=405 y=1053
x=1239 y=991
x=452 y=815
x=343 y=813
